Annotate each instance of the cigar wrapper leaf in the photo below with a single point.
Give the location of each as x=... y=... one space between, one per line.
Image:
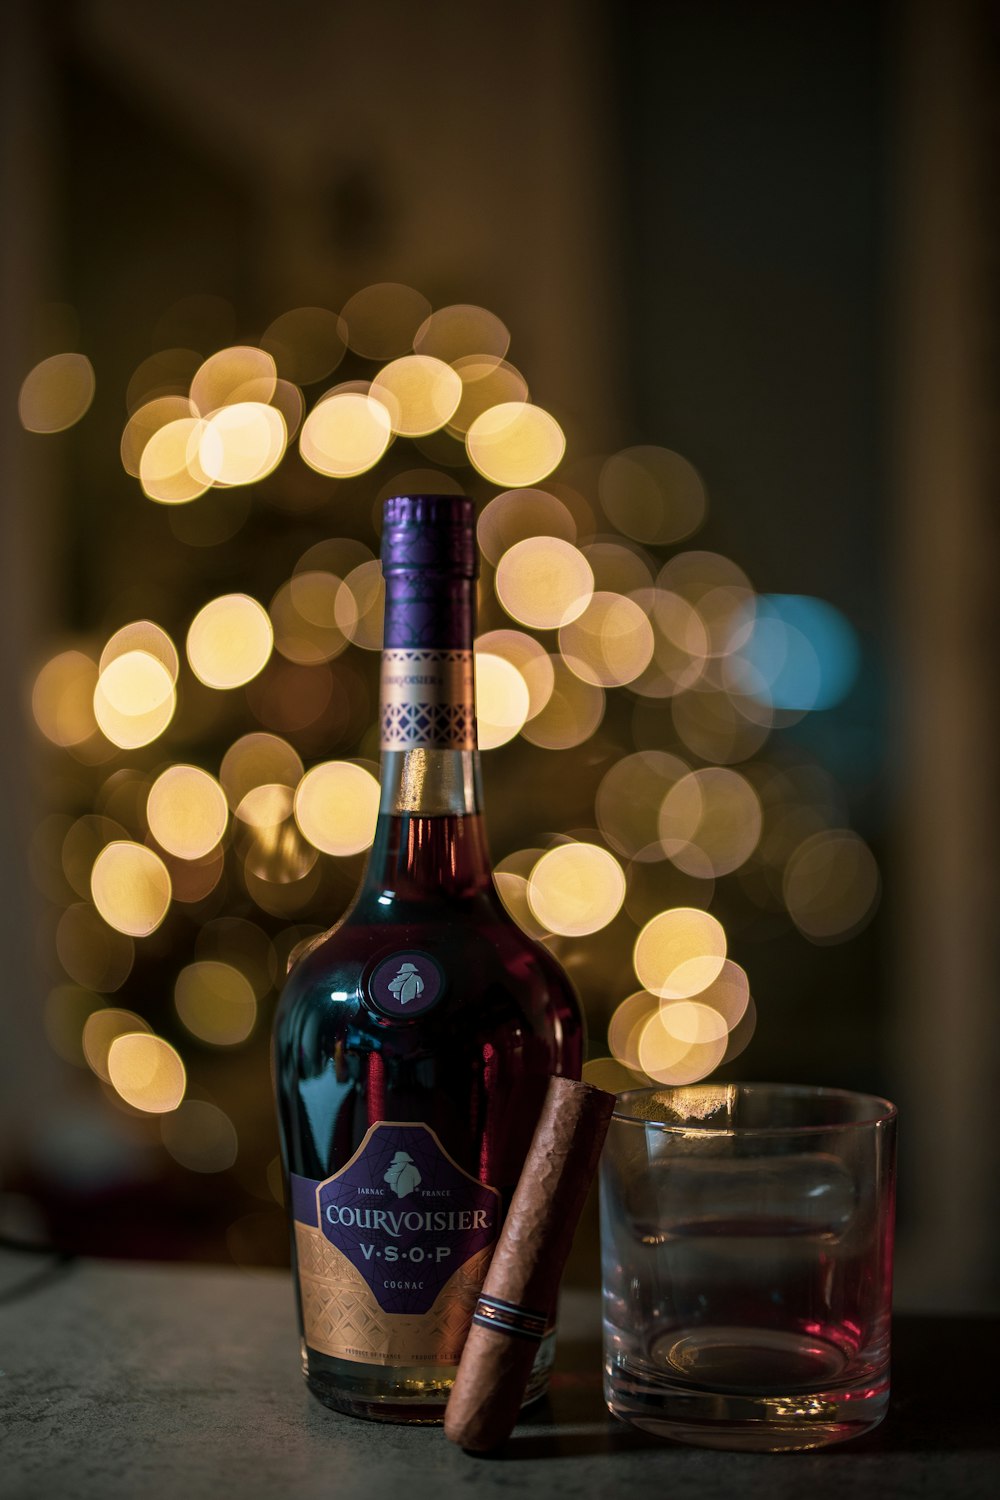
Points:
x=521 y=1285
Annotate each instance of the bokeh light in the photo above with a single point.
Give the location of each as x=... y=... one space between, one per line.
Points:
x=243 y=945
x=719 y=590
x=710 y=821
x=529 y=657
x=382 y=321
x=270 y=843
x=187 y=811
x=652 y=494
x=147 y=1072
x=515 y=444
x=452 y=333
x=672 y=1060
x=610 y=643
x=338 y=555
x=360 y=606
x=571 y=714
x=284 y=899
x=652 y=886
x=306 y=343
x=266 y=806
x=345 y=434
x=231 y=376
x=62 y=698
x=130 y=886
x=485 y=382
x=91 y=953
x=516 y=515
x=200 y=1136
x=502 y=700
x=626 y=1025
x=800 y=654
x=304 y=616
x=576 y=889
x=336 y=805
x=193 y=880
x=290 y=402
x=242 y=443
x=229 y=641
x=692 y=1021
x=100 y=1029
x=168 y=372
x=727 y=996
x=716 y=727
x=56 y=393
x=170 y=469
x=629 y=799
x=147 y=420
x=544 y=582
x=142 y=635
x=621 y=569
x=831 y=885
x=680 y=644
x=258 y=760
x=609 y=1074
x=679 y=953
x=134 y=699
x=510 y=877
x=215 y=1002
x=83 y=842
x=742 y=1033
x=419 y=393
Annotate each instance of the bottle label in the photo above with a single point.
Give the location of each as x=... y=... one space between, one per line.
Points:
x=427 y=700
x=393 y=1250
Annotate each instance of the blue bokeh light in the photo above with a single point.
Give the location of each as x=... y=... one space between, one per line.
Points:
x=801 y=653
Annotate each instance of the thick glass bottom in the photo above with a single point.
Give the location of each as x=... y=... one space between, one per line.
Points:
x=759 y=1390
x=414 y=1394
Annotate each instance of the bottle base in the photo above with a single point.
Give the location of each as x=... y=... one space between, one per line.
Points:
x=409 y=1396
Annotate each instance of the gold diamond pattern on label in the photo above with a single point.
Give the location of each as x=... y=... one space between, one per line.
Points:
x=341 y=1317
x=428 y=700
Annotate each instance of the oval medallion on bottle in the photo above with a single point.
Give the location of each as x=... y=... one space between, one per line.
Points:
x=406 y=984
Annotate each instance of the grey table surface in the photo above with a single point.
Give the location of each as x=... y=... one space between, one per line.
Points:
x=152 y=1381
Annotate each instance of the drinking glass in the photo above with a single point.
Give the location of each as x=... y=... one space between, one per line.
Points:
x=746 y=1245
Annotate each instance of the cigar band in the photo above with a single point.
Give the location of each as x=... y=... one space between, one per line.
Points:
x=508 y=1317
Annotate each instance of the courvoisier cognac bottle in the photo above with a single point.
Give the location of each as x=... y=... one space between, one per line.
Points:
x=415 y=1040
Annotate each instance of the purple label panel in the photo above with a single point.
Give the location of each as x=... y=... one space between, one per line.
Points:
x=404 y=1215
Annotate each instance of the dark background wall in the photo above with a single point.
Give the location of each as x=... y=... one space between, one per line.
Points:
x=753 y=153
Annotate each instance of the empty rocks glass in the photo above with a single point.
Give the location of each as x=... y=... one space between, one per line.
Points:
x=746 y=1235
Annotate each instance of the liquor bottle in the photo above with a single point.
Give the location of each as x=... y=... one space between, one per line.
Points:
x=415 y=1040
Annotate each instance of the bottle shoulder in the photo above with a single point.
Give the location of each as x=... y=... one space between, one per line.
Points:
x=485 y=960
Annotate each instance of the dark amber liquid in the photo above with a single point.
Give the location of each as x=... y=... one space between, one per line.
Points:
x=474 y=1067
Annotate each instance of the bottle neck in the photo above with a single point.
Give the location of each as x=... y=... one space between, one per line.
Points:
x=430 y=783
x=430 y=837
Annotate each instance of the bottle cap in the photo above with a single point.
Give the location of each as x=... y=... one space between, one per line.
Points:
x=435 y=533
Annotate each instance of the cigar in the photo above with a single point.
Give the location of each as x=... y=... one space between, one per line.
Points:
x=519 y=1293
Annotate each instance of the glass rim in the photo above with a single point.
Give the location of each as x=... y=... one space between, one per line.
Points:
x=881 y=1112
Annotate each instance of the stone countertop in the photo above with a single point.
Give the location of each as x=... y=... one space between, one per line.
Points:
x=153 y=1381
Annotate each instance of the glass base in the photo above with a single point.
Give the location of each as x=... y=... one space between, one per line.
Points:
x=416 y=1395
x=759 y=1390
